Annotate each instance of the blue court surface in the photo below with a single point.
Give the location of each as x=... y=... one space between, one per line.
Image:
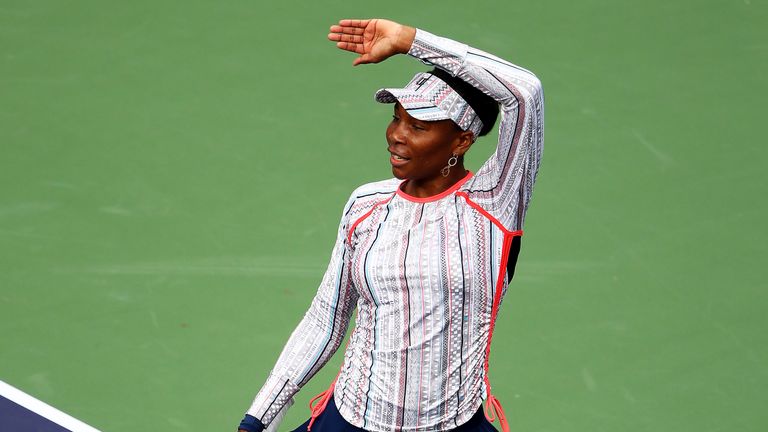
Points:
x=20 y=412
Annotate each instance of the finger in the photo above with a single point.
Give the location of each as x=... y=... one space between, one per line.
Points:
x=354 y=23
x=347 y=30
x=345 y=38
x=349 y=46
x=351 y=38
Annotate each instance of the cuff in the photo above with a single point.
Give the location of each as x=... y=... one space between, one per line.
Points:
x=272 y=397
x=438 y=51
x=251 y=424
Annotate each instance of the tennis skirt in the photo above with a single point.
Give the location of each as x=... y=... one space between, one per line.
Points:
x=331 y=421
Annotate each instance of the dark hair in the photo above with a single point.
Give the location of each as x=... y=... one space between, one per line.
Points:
x=485 y=106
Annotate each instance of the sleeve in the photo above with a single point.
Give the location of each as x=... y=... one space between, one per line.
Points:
x=503 y=185
x=316 y=338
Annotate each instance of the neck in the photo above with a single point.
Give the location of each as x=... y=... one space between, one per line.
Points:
x=423 y=188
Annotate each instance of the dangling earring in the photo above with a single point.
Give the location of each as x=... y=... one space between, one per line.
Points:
x=451 y=163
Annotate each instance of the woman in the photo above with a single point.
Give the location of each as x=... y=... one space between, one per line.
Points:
x=425 y=257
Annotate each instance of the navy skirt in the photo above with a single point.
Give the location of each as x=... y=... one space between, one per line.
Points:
x=331 y=421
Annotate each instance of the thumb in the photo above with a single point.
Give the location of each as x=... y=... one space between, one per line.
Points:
x=363 y=59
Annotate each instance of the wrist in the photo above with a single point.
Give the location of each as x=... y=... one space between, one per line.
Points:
x=405 y=39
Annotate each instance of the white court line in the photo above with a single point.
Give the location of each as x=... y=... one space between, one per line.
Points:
x=43 y=409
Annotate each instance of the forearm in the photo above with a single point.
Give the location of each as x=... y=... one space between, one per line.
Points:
x=497 y=77
x=312 y=344
x=317 y=336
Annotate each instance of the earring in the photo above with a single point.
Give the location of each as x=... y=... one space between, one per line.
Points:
x=451 y=163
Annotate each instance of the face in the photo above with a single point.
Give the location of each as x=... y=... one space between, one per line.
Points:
x=420 y=149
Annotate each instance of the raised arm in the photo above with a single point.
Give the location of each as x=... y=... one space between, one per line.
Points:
x=315 y=339
x=503 y=185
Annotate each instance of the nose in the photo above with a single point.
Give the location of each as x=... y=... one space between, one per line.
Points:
x=396 y=133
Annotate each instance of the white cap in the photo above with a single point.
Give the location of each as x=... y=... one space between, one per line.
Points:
x=429 y=98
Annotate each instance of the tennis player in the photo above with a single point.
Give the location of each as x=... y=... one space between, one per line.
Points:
x=424 y=257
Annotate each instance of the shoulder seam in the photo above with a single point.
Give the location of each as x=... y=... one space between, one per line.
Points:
x=363 y=217
x=488 y=216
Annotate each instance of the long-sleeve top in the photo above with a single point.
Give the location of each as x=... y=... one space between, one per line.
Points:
x=426 y=274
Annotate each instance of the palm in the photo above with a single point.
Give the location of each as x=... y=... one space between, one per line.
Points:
x=376 y=39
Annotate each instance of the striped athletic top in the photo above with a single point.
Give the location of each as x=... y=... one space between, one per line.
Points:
x=425 y=274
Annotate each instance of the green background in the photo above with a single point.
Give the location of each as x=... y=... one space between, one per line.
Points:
x=172 y=175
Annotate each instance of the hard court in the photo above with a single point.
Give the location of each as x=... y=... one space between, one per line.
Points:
x=172 y=175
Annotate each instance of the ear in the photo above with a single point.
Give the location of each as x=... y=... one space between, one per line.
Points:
x=463 y=142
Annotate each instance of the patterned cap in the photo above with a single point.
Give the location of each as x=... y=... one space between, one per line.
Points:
x=429 y=98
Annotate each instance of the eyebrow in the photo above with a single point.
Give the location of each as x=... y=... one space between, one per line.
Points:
x=422 y=123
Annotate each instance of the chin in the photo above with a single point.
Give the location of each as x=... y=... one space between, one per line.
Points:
x=398 y=174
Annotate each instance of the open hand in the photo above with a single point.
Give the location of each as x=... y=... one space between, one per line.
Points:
x=374 y=39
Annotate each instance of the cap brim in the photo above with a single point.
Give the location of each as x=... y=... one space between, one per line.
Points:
x=417 y=106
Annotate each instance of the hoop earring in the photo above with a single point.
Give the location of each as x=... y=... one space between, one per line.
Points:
x=451 y=163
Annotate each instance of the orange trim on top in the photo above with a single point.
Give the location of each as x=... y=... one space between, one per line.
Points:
x=485 y=213
x=361 y=218
x=497 y=300
x=493 y=408
x=325 y=396
x=442 y=194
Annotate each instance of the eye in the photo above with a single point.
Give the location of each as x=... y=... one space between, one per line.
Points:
x=395 y=118
x=417 y=127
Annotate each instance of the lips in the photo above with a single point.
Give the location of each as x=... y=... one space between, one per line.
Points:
x=396 y=159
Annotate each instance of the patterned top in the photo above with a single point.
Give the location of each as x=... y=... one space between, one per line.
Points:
x=426 y=274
